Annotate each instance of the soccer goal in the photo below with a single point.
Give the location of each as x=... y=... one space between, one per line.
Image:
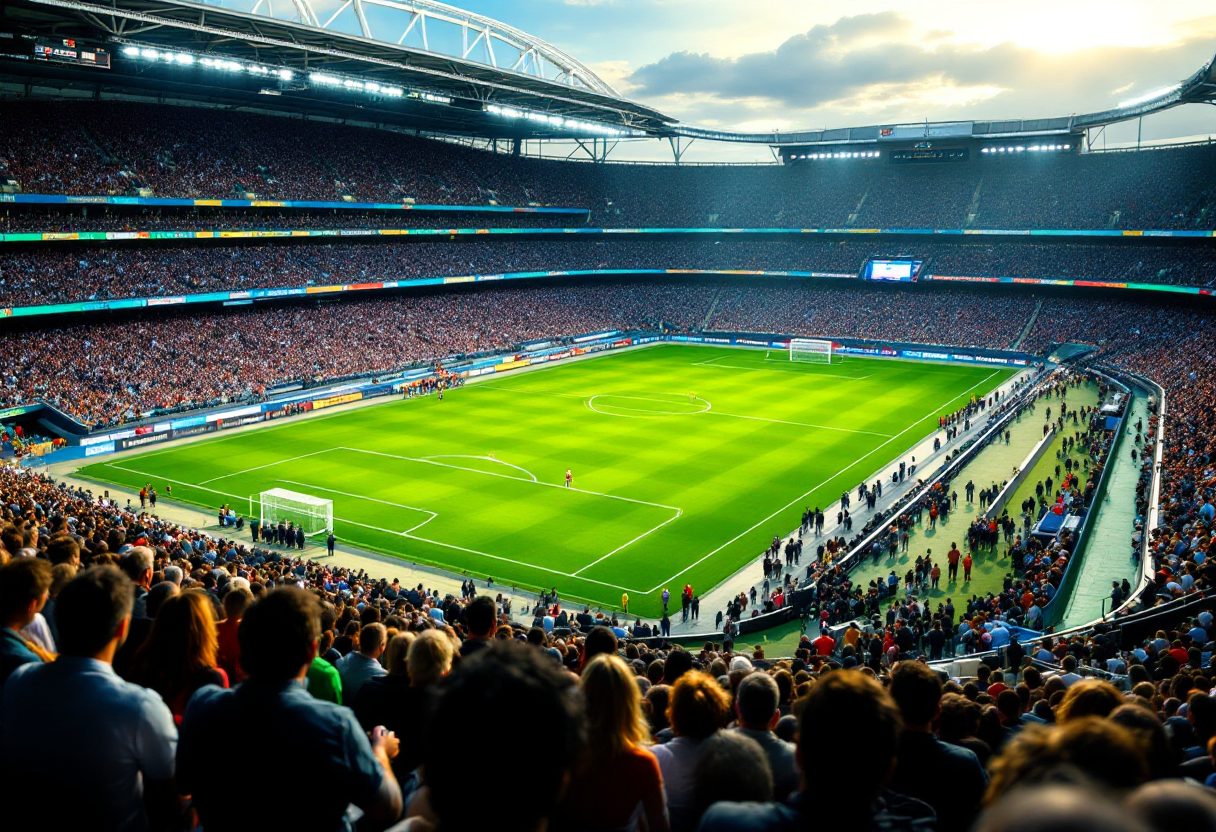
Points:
x=811 y=350
x=315 y=514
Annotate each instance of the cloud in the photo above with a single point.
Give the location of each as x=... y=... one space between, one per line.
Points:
x=877 y=67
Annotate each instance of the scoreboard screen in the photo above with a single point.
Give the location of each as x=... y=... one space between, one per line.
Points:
x=899 y=271
x=70 y=51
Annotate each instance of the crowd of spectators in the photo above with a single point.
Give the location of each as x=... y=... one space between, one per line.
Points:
x=48 y=274
x=28 y=219
x=132 y=650
x=111 y=147
x=43 y=273
x=107 y=373
x=868 y=311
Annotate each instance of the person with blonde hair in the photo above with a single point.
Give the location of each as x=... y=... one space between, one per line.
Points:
x=179 y=656
x=617 y=736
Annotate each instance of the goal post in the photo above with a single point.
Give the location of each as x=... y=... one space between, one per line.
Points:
x=314 y=514
x=811 y=350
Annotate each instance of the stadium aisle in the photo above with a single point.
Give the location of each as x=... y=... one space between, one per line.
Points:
x=1106 y=555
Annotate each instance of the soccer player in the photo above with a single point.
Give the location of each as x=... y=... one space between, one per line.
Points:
x=569 y=478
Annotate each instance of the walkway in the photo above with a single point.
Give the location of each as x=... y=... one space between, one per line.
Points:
x=994 y=464
x=1107 y=551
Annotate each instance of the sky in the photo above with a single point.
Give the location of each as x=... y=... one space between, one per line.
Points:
x=811 y=64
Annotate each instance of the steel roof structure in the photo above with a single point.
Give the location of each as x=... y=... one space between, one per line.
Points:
x=421 y=65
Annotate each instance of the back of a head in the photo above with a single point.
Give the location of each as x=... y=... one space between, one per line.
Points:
x=481 y=616
x=698 y=706
x=1201 y=711
x=864 y=742
x=756 y=700
x=917 y=691
x=1009 y=704
x=430 y=657
x=600 y=641
x=137 y=561
x=527 y=698
x=730 y=766
x=277 y=634
x=612 y=703
x=22 y=582
x=1174 y=804
x=63 y=549
x=1088 y=697
x=1100 y=750
x=677 y=663
x=396 y=655
x=236 y=601
x=371 y=637
x=1057 y=808
x=90 y=608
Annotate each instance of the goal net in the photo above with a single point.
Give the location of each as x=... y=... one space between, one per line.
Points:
x=315 y=514
x=811 y=350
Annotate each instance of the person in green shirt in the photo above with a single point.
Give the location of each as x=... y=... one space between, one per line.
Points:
x=324 y=681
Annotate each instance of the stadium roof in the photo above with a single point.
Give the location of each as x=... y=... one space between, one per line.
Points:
x=417 y=64
x=496 y=82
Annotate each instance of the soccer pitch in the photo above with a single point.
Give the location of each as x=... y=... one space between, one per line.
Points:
x=686 y=461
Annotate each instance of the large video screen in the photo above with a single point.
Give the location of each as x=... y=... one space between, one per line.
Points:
x=69 y=51
x=900 y=271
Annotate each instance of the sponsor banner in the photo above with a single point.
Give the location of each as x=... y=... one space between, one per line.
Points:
x=335 y=400
x=140 y=441
x=107 y=437
x=624 y=342
x=188 y=422
x=594 y=335
x=165 y=301
x=511 y=365
x=224 y=424
x=143 y=431
x=100 y=448
x=749 y=343
x=235 y=414
x=161 y=427
x=195 y=430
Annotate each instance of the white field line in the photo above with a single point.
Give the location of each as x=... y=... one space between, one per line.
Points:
x=591 y=406
x=177 y=482
x=508 y=477
x=801 y=497
x=267 y=465
x=486 y=458
x=630 y=543
x=800 y=424
x=519 y=563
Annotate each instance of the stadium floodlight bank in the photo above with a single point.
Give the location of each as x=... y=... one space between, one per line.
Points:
x=811 y=350
x=315 y=514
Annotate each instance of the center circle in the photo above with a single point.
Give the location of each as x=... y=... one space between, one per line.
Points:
x=647 y=405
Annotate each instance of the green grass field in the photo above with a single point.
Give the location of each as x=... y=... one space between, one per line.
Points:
x=686 y=461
